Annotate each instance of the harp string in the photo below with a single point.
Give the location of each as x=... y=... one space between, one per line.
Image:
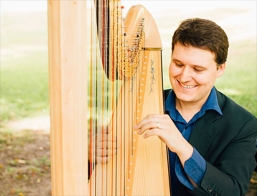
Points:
x=92 y=100
x=96 y=108
x=105 y=89
x=114 y=33
x=103 y=29
x=117 y=88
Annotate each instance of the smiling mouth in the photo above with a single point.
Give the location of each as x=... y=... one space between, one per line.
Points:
x=187 y=86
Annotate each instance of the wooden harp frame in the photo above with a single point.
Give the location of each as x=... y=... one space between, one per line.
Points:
x=68 y=89
x=68 y=108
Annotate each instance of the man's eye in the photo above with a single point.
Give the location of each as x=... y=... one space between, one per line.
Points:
x=198 y=70
x=179 y=65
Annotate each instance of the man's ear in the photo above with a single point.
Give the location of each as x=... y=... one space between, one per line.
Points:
x=221 y=68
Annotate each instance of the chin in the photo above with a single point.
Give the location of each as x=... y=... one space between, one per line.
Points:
x=184 y=97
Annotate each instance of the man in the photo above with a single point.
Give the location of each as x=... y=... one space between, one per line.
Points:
x=211 y=139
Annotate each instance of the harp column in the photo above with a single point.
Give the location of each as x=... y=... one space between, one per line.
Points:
x=68 y=96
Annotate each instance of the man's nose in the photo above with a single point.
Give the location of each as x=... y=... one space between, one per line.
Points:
x=186 y=74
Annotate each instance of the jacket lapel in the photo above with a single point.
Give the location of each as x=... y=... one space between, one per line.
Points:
x=204 y=130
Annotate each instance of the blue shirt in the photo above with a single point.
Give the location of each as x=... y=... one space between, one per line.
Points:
x=195 y=166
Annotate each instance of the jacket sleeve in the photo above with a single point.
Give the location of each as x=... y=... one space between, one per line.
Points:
x=230 y=171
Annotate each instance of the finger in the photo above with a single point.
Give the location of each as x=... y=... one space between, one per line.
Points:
x=101 y=130
x=146 y=127
x=101 y=136
x=152 y=132
x=105 y=137
x=105 y=130
x=101 y=154
x=151 y=118
x=107 y=145
x=102 y=159
x=143 y=121
x=105 y=153
x=155 y=124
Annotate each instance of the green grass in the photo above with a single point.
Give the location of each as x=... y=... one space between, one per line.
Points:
x=240 y=78
x=24 y=87
x=24 y=66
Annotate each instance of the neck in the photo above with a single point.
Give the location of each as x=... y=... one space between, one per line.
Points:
x=188 y=109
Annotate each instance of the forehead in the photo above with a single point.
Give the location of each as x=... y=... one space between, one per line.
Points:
x=192 y=55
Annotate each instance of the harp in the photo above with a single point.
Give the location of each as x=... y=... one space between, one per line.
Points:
x=108 y=91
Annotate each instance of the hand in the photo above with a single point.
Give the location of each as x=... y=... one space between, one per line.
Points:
x=102 y=147
x=162 y=126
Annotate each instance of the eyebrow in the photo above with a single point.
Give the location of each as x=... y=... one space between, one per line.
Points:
x=176 y=60
x=198 y=66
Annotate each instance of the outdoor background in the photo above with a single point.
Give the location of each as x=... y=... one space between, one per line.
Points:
x=24 y=105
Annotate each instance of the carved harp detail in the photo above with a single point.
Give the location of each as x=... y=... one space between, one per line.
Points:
x=130 y=52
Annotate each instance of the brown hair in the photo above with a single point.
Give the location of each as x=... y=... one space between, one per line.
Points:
x=204 y=34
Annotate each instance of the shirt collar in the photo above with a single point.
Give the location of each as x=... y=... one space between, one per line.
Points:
x=212 y=102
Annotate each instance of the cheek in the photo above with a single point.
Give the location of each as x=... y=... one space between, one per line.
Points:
x=173 y=71
x=204 y=79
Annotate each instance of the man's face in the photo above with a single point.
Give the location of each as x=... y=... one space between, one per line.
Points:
x=192 y=73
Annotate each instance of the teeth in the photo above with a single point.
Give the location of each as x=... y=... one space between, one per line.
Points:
x=189 y=87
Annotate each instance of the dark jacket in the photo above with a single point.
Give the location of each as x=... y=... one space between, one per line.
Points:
x=227 y=143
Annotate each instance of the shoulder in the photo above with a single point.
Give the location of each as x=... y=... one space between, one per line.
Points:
x=236 y=121
x=231 y=108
